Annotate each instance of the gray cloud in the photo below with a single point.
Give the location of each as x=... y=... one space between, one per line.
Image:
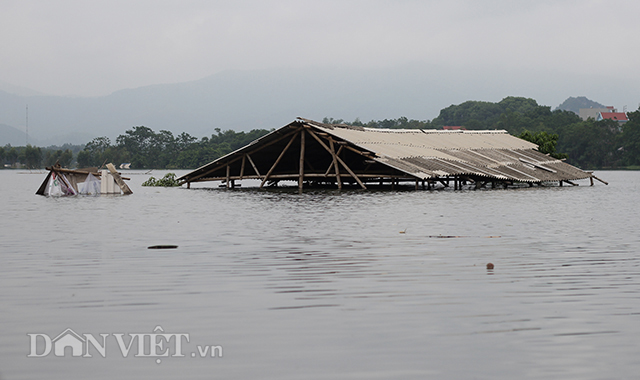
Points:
x=97 y=47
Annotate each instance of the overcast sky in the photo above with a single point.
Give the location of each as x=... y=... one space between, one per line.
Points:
x=88 y=48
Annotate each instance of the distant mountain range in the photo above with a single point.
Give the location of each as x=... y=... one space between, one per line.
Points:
x=245 y=100
x=575 y=104
x=14 y=136
x=239 y=100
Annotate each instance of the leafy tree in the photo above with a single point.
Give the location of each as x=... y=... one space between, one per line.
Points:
x=32 y=157
x=11 y=155
x=546 y=142
x=139 y=143
x=591 y=144
x=629 y=140
x=64 y=157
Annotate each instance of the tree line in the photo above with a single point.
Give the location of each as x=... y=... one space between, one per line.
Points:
x=140 y=146
x=588 y=144
x=33 y=157
x=146 y=149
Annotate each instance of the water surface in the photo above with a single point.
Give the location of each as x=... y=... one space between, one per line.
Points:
x=328 y=284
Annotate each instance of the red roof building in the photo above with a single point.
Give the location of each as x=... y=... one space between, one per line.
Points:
x=620 y=117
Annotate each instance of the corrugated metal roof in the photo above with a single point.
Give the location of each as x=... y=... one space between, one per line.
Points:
x=439 y=153
x=412 y=141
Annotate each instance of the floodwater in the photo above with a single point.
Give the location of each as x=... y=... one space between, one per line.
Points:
x=322 y=285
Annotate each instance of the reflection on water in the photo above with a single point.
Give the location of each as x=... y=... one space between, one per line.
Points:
x=328 y=284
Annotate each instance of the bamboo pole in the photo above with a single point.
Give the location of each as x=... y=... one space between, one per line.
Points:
x=266 y=177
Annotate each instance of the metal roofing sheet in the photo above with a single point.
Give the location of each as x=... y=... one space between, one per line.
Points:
x=423 y=140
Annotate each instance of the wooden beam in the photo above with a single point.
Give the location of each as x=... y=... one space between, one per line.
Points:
x=338 y=159
x=301 y=173
x=123 y=186
x=255 y=168
x=266 y=177
x=244 y=158
x=220 y=164
x=335 y=163
x=332 y=162
x=605 y=182
x=329 y=169
x=365 y=154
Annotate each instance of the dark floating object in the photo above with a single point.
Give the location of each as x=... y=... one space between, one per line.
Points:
x=162 y=247
x=490 y=266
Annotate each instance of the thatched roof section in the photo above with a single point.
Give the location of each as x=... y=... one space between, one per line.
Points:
x=305 y=150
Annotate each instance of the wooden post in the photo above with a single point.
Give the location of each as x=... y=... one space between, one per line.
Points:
x=244 y=156
x=301 y=173
x=335 y=164
x=266 y=177
x=228 y=169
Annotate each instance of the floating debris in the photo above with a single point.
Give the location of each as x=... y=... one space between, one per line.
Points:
x=88 y=181
x=163 y=246
x=490 y=266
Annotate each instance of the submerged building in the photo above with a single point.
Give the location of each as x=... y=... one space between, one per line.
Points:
x=313 y=153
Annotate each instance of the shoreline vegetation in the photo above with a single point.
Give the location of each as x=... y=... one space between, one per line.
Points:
x=587 y=144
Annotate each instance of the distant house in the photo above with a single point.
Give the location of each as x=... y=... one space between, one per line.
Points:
x=586 y=113
x=620 y=117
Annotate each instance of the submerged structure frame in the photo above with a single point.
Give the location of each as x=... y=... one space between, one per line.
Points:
x=317 y=154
